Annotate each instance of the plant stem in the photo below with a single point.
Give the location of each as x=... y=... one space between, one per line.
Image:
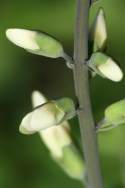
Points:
x=87 y=126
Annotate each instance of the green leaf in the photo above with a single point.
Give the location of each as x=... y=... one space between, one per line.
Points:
x=36 y=42
x=105 y=66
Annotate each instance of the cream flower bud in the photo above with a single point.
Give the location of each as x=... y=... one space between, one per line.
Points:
x=36 y=42
x=105 y=66
x=38 y=99
x=100 y=31
x=62 y=149
x=111 y=70
x=43 y=117
x=60 y=144
x=49 y=114
x=56 y=137
x=23 y=38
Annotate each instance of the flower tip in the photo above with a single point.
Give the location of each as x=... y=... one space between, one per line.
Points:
x=23 y=38
x=9 y=33
x=22 y=130
x=37 y=98
x=25 y=126
x=111 y=70
x=101 y=12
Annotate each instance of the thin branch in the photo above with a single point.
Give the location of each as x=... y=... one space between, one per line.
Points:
x=87 y=127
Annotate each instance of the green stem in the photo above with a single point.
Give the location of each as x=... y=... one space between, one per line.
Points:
x=87 y=126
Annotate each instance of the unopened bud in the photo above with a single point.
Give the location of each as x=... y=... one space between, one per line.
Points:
x=105 y=66
x=60 y=144
x=47 y=115
x=100 y=31
x=115 y=113
x=36 y=42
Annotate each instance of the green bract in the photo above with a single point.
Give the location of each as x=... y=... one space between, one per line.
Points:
x=36 y=42
x=105 y=66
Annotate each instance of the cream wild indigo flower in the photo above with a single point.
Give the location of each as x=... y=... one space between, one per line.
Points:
x=58 y=141
x=105 y=66
x=36 y=42
x=48 y=114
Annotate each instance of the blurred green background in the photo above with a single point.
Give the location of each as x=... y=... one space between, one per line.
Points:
x=24 y=160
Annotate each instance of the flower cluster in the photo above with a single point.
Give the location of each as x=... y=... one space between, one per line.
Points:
x=50 y=118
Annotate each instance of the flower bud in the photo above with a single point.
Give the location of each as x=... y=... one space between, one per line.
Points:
x=60 y=144
x=72 y=162
x=62 y=149
x=47 y=115
x=35 y=42
x=105 y=66
x=100 y=31
x=55 y=137
x=115 y=113
x=38 y=99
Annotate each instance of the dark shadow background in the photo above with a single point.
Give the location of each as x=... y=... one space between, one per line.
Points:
x=24 y=160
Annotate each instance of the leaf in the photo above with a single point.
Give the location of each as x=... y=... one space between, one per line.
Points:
x=36 y=42
x=105 y=66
